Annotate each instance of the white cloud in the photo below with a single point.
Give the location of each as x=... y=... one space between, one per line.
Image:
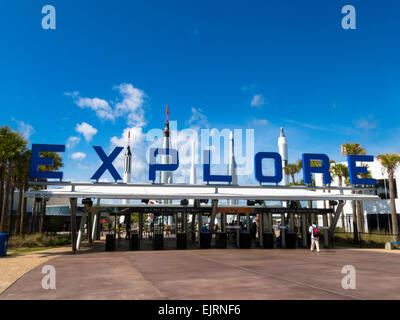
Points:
x=198 y=119
x=72 y=94
x=25 y=129
x=78 y=156
x=130 y=106
x=366 y=124
x=102 y=108
x=257 y=101
x=259 y=122
x=87 y=130
x=72 y=142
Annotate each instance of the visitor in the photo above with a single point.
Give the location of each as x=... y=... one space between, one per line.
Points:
x=315 y=233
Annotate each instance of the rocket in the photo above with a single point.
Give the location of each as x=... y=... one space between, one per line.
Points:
x=127 y=164
x=232 y=167
x=192 y=179
x=166 y=176
x=283 y=151
x=192 y=167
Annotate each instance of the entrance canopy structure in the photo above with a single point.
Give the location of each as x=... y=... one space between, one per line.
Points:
x=126 y=191
x=213 y=192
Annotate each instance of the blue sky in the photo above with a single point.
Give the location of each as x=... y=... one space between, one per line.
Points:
x=218 y=64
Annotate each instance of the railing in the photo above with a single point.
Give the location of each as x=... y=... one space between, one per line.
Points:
x=123 y=184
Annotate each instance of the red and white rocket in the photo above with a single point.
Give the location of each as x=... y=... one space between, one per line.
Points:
x=166 y=176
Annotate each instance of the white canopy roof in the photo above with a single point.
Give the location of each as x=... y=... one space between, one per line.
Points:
x=177 y=192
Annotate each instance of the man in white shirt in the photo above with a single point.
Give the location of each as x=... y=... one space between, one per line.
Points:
x=315 y=233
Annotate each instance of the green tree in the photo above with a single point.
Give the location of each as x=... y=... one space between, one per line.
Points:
x=354 y=149
x=11 y=145
x=57 y=164
x=291 y=169
x=341 y=171
x=390 y=161
x=22 y=178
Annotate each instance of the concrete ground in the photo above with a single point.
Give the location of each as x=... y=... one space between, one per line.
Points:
x=214 y=274
x=13 y=267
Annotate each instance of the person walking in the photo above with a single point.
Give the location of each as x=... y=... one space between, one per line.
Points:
x=315 y=233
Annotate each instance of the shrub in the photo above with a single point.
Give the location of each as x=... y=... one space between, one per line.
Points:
x=38 y=240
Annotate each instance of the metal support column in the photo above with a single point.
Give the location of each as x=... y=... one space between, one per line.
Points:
x=335 y=220
x=140 y=225
x=42 y=215
x=238 y=230
x=270 y=228
x=326 y=236
x=291 y=222
x=81 y=230
x=73 y=208
x=199 y=225
x=283 y=231
x=304 y=230
x=214 y=210
x=90 y=225
x=94 y=227
x=261 y=229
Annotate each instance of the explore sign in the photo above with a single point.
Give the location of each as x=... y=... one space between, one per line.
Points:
x=107 y=165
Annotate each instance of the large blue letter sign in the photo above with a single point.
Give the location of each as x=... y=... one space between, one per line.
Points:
x=354 y=170
x=258 y=167
x=308 y=170
x=107 y=163
x=153 y=166
x=207 y=176
x=36 y=161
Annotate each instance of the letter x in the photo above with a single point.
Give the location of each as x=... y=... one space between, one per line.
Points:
x=107 y=163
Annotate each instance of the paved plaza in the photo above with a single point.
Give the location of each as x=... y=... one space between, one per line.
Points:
x=214 y=274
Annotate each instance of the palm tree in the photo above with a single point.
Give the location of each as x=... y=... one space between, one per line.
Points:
x=12 y=144
x=341 y=171
x=291 y=169
x=22 y=174
x=353 y=149
x=313 y=163
x=390 y=161
x=57 y=164
x=4 y=131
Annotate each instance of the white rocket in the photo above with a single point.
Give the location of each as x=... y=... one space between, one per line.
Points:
x=283 y=151
x=166 y=176
x=232 y=167
x=193 y=179
x=127 y=165
x=192 y=167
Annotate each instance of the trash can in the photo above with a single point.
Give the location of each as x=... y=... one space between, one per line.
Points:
x=158 y=242
x=110 y=242
x=181 y=242
x=134 y=242
x=290 y=240
x=221 y=238
x=205 y=240
x=3 y=244
x=268 y=240
x=244 y=240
